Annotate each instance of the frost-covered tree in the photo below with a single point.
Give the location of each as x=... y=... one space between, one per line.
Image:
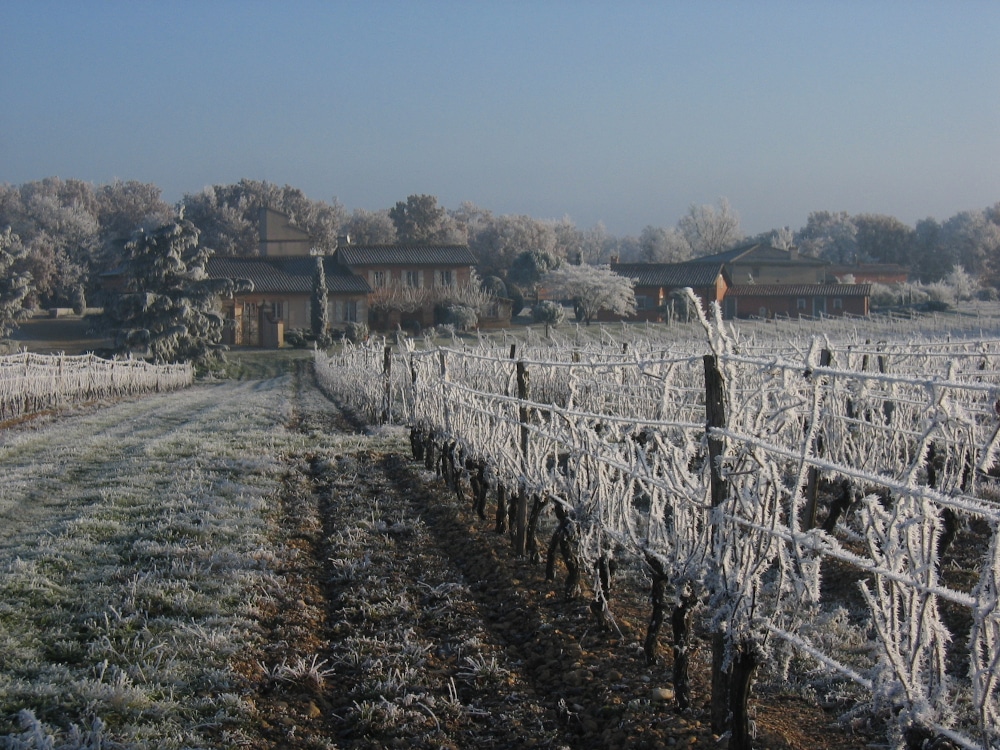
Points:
x=974 y=240
x=660 y=245
x=370 y=228
x=168 y=307
x=420 y=220
x=830 y=236
x=592 y=289
x=504 y=238
x=709 y=230
x=14 y=287
x=228 y=215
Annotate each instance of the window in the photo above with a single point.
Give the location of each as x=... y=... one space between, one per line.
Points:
x=800 y=303
x=445 y=278
x=642 y=302
x=351 y=311
x=838 y=303
x=413 y=279
x=279 y=310
x=378 y=279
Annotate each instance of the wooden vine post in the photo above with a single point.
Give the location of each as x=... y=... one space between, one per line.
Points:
x=715 y=416
x=387 y=382
x=521 y=514
x=444 y=393
x=812 y=477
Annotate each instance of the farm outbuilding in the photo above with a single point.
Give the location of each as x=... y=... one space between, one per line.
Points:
x=656 y=282
x=796 y=300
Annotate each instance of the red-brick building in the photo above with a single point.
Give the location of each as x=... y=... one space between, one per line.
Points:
x=796 y=300
x=656 y=282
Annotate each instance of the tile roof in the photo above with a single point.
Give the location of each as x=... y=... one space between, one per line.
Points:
x=800 y=290
x=760 y=251
x=676 y=275
x=405 y=255
x=289 y=274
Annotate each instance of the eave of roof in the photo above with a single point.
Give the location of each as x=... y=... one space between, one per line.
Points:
x=799 y=290
x=670 y=274
x=742 y=253
x=405 y=255
x=286 y=274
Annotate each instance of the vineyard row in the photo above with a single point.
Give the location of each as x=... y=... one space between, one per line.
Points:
x=31 y=383
x=743 y=485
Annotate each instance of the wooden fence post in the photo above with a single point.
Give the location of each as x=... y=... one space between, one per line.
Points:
x=715 y=416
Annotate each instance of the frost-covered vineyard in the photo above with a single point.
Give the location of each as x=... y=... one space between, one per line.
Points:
x=747 y=477
x=35 y=382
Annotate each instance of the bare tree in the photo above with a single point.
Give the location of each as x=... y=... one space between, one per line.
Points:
x=661 y=245
x=710 y=230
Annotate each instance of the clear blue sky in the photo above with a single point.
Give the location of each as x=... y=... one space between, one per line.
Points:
x=622 y=112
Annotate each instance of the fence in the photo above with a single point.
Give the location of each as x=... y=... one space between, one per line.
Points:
x=31 y=383
x=746 y=482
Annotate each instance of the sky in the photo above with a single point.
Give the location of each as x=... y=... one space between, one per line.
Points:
x=625 y=113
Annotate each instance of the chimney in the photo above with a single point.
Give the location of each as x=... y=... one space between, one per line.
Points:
x=793 y=253
x=343 y=240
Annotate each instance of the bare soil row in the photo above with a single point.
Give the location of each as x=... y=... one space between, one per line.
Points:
x=412 y=624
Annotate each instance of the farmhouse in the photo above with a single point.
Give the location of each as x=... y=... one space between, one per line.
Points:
x=380 y=285
x=761 y=263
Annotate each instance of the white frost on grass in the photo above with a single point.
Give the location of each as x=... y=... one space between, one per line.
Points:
x=134 y=547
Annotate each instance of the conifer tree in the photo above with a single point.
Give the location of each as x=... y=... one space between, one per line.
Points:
x=168 y=310
x=319 y=314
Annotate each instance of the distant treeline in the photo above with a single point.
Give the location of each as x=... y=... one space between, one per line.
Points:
x=66 y=233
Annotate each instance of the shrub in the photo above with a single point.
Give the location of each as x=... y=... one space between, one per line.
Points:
x=356 y=332
x=462 y=317
x=298 y=338
x=548 y=312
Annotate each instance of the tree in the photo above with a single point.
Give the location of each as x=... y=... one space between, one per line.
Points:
x=228 y=215
x=14 y=287
x=169 y=304
x=931 y=259
x=884 y=239
x=548 y=312
x=595 y=245
x=420 y=220
x=709 y=230
x=319 y=311
x=973 y=239
x=123 y=207
x=592 y=289
x=528 y=269
x=56 y=221
x=506 y=237
x=659 y=245
x=829 y=236
x=370 y=228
